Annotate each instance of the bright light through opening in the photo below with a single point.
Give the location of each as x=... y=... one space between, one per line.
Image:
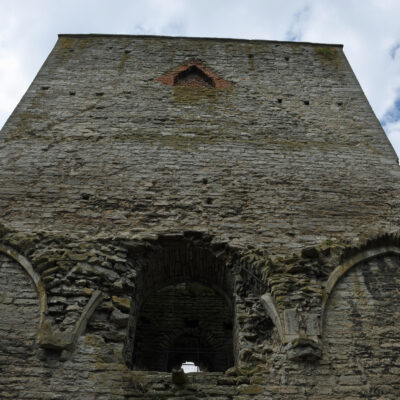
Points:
x=189 y=366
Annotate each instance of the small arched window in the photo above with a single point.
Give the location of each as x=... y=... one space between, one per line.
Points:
x=193 y=76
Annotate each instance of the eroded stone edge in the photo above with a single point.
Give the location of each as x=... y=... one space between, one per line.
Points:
x=66 y=341
x=27 y=266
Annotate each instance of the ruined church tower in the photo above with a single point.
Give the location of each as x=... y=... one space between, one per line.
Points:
x=231 y=204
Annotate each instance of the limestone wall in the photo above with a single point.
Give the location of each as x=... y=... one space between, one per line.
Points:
x=360 y=355
x=290 y=154
x=362 y=330
x=269 y=181
x=19 y=324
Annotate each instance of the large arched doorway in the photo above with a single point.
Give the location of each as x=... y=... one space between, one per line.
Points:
x=183 y=308
x=184 y=322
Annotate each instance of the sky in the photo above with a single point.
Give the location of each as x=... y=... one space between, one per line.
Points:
x=368 y=29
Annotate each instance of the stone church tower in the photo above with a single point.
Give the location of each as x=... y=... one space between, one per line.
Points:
x=229 y=203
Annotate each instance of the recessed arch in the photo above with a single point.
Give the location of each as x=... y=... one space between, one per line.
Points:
x=19 y=315
x=174 y=260
x=35 y=277
x=362 y=321
x=342 y=269
x=183 y=302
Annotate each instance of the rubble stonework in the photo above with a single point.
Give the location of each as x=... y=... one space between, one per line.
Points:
x=230 y=201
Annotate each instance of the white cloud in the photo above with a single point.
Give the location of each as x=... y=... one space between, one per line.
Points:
x=14 y=84
x=298 y=23
x=393 y=132
x=369 y=31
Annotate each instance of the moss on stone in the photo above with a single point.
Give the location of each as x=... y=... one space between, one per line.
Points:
x=124 y=59
x=329 y=55
x=185 y=94
x=3 y=230
x=250 y=389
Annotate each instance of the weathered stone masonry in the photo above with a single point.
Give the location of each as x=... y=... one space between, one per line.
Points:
x=234 y=202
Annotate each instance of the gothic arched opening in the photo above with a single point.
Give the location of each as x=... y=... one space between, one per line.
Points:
x=183 y=309
x=193 y=76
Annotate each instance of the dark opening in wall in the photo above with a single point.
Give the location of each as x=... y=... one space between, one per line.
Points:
x=183 y=310
x=193 y=77
x=194 y=74
x=184 y=322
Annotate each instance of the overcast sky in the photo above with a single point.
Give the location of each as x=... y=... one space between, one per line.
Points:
x=369 y=30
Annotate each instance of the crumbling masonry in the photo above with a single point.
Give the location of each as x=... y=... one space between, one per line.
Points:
x=232 y=203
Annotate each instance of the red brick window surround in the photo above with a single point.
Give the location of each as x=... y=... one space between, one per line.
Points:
x=195 y=75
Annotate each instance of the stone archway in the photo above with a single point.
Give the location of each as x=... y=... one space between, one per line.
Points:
x=184 y=322
x=361 y=325
x=183 y=307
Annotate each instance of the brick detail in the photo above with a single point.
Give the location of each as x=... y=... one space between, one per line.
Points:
x=170 y=77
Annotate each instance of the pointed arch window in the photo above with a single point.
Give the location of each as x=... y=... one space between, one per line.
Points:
x=193 y=76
